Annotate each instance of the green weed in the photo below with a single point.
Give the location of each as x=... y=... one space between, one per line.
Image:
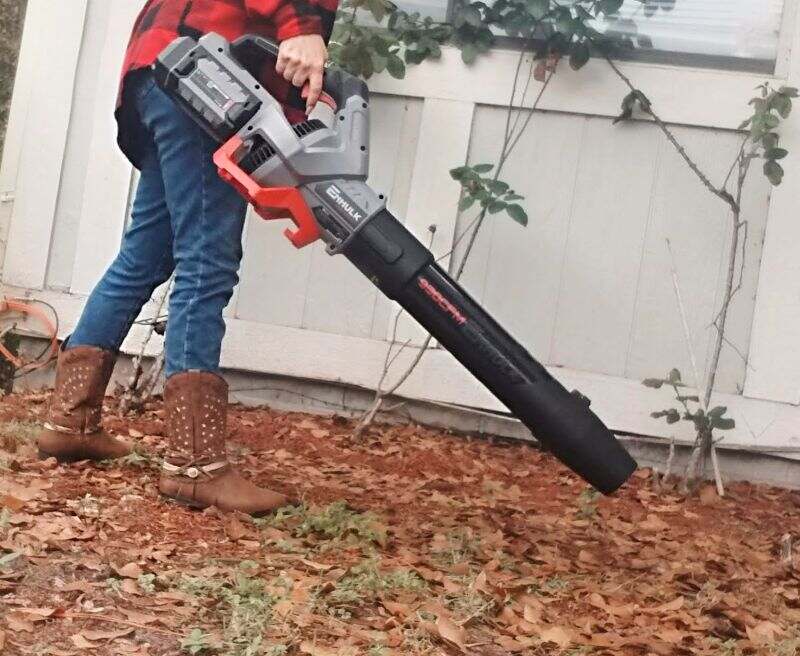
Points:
x=462 y=546
x=197 y=642
x=364 y=582
x=278 y=650
x=147 y=582
x=241 y=602
x=587 y=503
x=334 y=522
x=470 y=602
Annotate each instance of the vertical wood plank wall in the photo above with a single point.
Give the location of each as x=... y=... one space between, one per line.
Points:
x=39 y=154
x=587 y=285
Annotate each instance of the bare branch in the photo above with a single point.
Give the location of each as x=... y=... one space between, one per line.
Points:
x=721 y=193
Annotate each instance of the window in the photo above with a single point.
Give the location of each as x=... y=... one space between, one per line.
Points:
x=741 y=34
x=735 y=34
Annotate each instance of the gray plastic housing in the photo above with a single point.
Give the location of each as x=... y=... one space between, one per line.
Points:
x=329 y=165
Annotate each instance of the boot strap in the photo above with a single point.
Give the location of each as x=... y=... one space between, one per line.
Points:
x=193 y=471
x=64 y=429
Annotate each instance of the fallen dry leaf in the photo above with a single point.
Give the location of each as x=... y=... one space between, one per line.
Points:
x=451 y=632
x=234 y=529
x=106 y=635
x=557 y=635
x=81 y=642
x=12 y=503
x=129 y=571
x=764 y=633
x=313 y=649
x=708 y=495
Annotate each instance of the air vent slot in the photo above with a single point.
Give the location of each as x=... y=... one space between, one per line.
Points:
x=307 y=127
x=259 y=153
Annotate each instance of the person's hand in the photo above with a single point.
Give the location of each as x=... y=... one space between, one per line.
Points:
x=302 y=59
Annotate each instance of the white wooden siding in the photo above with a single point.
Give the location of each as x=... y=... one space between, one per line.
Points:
x=47 y=104
x=586 y=286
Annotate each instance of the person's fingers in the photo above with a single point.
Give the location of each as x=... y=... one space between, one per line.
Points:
x=282 y=62
x=300 y=76
x=314 y=89
x=290 y=71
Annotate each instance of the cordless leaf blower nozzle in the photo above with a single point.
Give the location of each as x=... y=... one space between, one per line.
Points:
x=315 y=175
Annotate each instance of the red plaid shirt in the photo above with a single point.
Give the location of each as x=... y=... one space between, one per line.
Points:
x=161 y=21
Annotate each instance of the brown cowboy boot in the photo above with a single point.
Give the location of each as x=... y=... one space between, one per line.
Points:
x=196 y=471
x=72 y=431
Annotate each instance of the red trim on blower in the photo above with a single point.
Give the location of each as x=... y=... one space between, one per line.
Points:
x=270 y=202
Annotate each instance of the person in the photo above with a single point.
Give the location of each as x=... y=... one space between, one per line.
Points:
x=188 y=223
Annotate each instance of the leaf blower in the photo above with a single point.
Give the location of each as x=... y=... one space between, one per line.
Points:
x=315 y=174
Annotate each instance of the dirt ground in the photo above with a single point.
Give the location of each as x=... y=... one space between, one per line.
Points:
x=410 y=541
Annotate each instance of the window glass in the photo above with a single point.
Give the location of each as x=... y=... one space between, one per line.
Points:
x=436 y=9
x=740 y=29
x=726 y=33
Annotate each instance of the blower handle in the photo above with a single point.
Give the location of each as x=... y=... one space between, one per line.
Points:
x=338 y=86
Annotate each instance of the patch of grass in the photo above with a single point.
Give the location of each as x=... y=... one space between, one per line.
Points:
x=277 y=650
x=377 y=650
x=469 y=603
x=462 y=546
x=241 y=602
x=147 y=582
x=334 y=522
x=5 y=519
x=14 y=434
x=419 y=642
x=587 y=503
x=550 y=587
x=7 y=558
x=364 y=582
x=728 y=648
x=136 y=458
x=197 y=642
x=789 y=646
x=114 y=585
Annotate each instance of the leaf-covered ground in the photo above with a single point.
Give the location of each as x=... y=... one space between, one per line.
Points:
x=410 y=542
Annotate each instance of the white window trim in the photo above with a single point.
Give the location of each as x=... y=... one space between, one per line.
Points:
x=679 y=94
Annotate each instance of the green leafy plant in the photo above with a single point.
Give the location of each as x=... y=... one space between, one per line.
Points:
x=769 y=107
x=587 y=503
x=242 y=603
x=372 y=36
x=197 y=642
x=704 y=422
x=490 y=193
x=394 y=39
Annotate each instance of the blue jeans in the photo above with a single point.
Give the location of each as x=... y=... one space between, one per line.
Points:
x=185 y=220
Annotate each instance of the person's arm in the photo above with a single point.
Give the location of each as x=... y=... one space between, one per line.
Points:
x=302 y=27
